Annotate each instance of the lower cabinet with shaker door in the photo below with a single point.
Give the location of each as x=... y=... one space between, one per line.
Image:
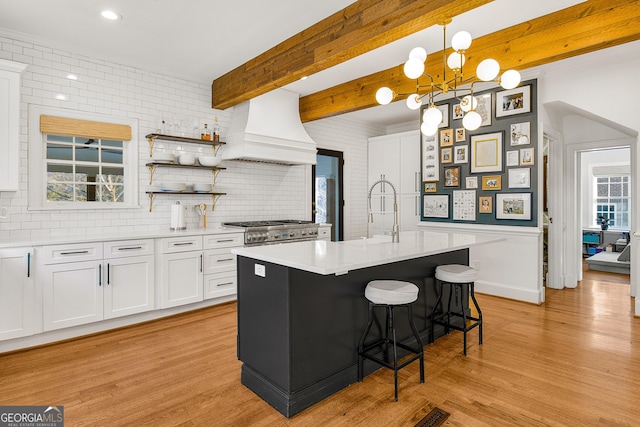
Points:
x=130 y=278
x=89 y=282
x=17 y=305
x=71 y=285
x=180 y=261
x=220 y=277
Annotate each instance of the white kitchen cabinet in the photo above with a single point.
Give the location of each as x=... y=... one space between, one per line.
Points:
x=220 y=271
x=90 y=282
x=17 y=306
x=396 y=158
x=9 y=124
x=181 y=270
x=72 y=294
x=130 y=274
x=324 y=232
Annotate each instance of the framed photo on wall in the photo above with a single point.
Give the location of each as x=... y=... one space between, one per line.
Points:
x=460 y=135
x=520 y=178
x=446 y=155
x=526 y=156
x=446 y=137
x=486 y=153
x=430 y=187
x=460 y=154
x=513 y=206
x=452 y=176
x=492 y=182
x=484 y=108
x=430 y=160
x=520 y=133
x=513 y=101
x=486 y=205
x=471 y=182
x=435 y=206
x=513 y=158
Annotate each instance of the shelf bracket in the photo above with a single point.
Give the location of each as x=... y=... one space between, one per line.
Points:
x=151 y=139
x=152 y=169
x=214 y=199
x=151 y=202
x=214 y=172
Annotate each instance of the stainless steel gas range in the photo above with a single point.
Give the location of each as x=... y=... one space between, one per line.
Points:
x=259 y=233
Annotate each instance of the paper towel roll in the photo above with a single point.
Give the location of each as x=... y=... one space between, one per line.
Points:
x=178 y=220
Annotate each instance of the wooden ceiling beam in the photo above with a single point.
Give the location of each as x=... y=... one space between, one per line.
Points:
x=583 y=28
x=360 y=27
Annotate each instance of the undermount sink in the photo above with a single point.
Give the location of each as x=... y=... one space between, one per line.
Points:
x=370 y=240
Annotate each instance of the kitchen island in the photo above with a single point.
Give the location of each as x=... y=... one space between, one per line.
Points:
x=301 y=308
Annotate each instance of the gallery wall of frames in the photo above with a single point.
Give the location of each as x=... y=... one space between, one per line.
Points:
x=489 y=175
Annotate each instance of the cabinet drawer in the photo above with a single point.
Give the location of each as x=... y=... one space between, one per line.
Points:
x=181 y=244
x=71 y=253
x=217 y=285
x=219 y=260
x=223 y=240
x=127 y=248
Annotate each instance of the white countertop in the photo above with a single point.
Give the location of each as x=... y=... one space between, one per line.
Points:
x=323 y=257
x=128 y=235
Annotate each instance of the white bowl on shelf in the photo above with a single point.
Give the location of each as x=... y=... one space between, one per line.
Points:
x=173 y=186
x=209 y=160
x=163 y=157
x=202 y=188
x=186 y=159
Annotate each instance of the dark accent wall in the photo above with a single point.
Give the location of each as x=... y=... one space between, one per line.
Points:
x=504 y=113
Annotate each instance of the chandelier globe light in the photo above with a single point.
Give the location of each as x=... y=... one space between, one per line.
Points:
x=461 y=86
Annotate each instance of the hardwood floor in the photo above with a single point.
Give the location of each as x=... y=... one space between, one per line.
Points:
x=570 y=362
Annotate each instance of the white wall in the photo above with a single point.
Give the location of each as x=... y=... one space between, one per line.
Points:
x=255 y=190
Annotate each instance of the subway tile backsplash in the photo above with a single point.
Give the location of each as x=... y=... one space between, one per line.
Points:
x=254 y=190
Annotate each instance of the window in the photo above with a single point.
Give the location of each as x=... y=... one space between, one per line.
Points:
x=81 y=160
x=84 y=170
x=612 y=201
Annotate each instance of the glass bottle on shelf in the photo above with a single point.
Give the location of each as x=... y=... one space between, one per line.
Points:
x=205 y=133
x=216 y=130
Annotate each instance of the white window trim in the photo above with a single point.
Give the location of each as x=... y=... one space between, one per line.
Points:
x=37 y=160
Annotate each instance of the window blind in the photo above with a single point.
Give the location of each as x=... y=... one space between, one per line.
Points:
x=52 y=125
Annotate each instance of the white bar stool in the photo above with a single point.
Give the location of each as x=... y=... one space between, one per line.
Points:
x=390 y=294
x=458 y=277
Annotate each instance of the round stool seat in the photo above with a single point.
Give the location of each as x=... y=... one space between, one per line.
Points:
x=456 y=273
x=391 y=292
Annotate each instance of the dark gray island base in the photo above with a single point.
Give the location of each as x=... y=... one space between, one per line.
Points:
x=298 y=331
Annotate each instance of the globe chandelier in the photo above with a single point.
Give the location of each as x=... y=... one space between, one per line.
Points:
x=486 y=71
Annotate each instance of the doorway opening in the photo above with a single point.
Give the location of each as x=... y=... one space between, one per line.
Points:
x=605 y=209
x=327 y=191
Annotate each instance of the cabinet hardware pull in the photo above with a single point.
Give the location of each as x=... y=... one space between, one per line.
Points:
x=225 y=260
x=130 y=248
x=200 y=263
x=28 y=264
x=183 y=244
x=108 y=274
x=99 y=274
x=224 y=241
x=74 y=253
x=225 y=284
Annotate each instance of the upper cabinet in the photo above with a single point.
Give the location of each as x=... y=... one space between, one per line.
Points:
x=9 y=123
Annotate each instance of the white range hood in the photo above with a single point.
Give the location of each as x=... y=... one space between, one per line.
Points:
x=268 y=129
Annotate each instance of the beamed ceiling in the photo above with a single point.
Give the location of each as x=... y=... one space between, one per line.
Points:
x=370 y=24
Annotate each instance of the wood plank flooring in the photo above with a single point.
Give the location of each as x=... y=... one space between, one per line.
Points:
x=570 y=362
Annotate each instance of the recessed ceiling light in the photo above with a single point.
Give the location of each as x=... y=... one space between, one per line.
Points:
x=109 y=14
x=72 y=77
x=303 y=78
x=61 y=97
